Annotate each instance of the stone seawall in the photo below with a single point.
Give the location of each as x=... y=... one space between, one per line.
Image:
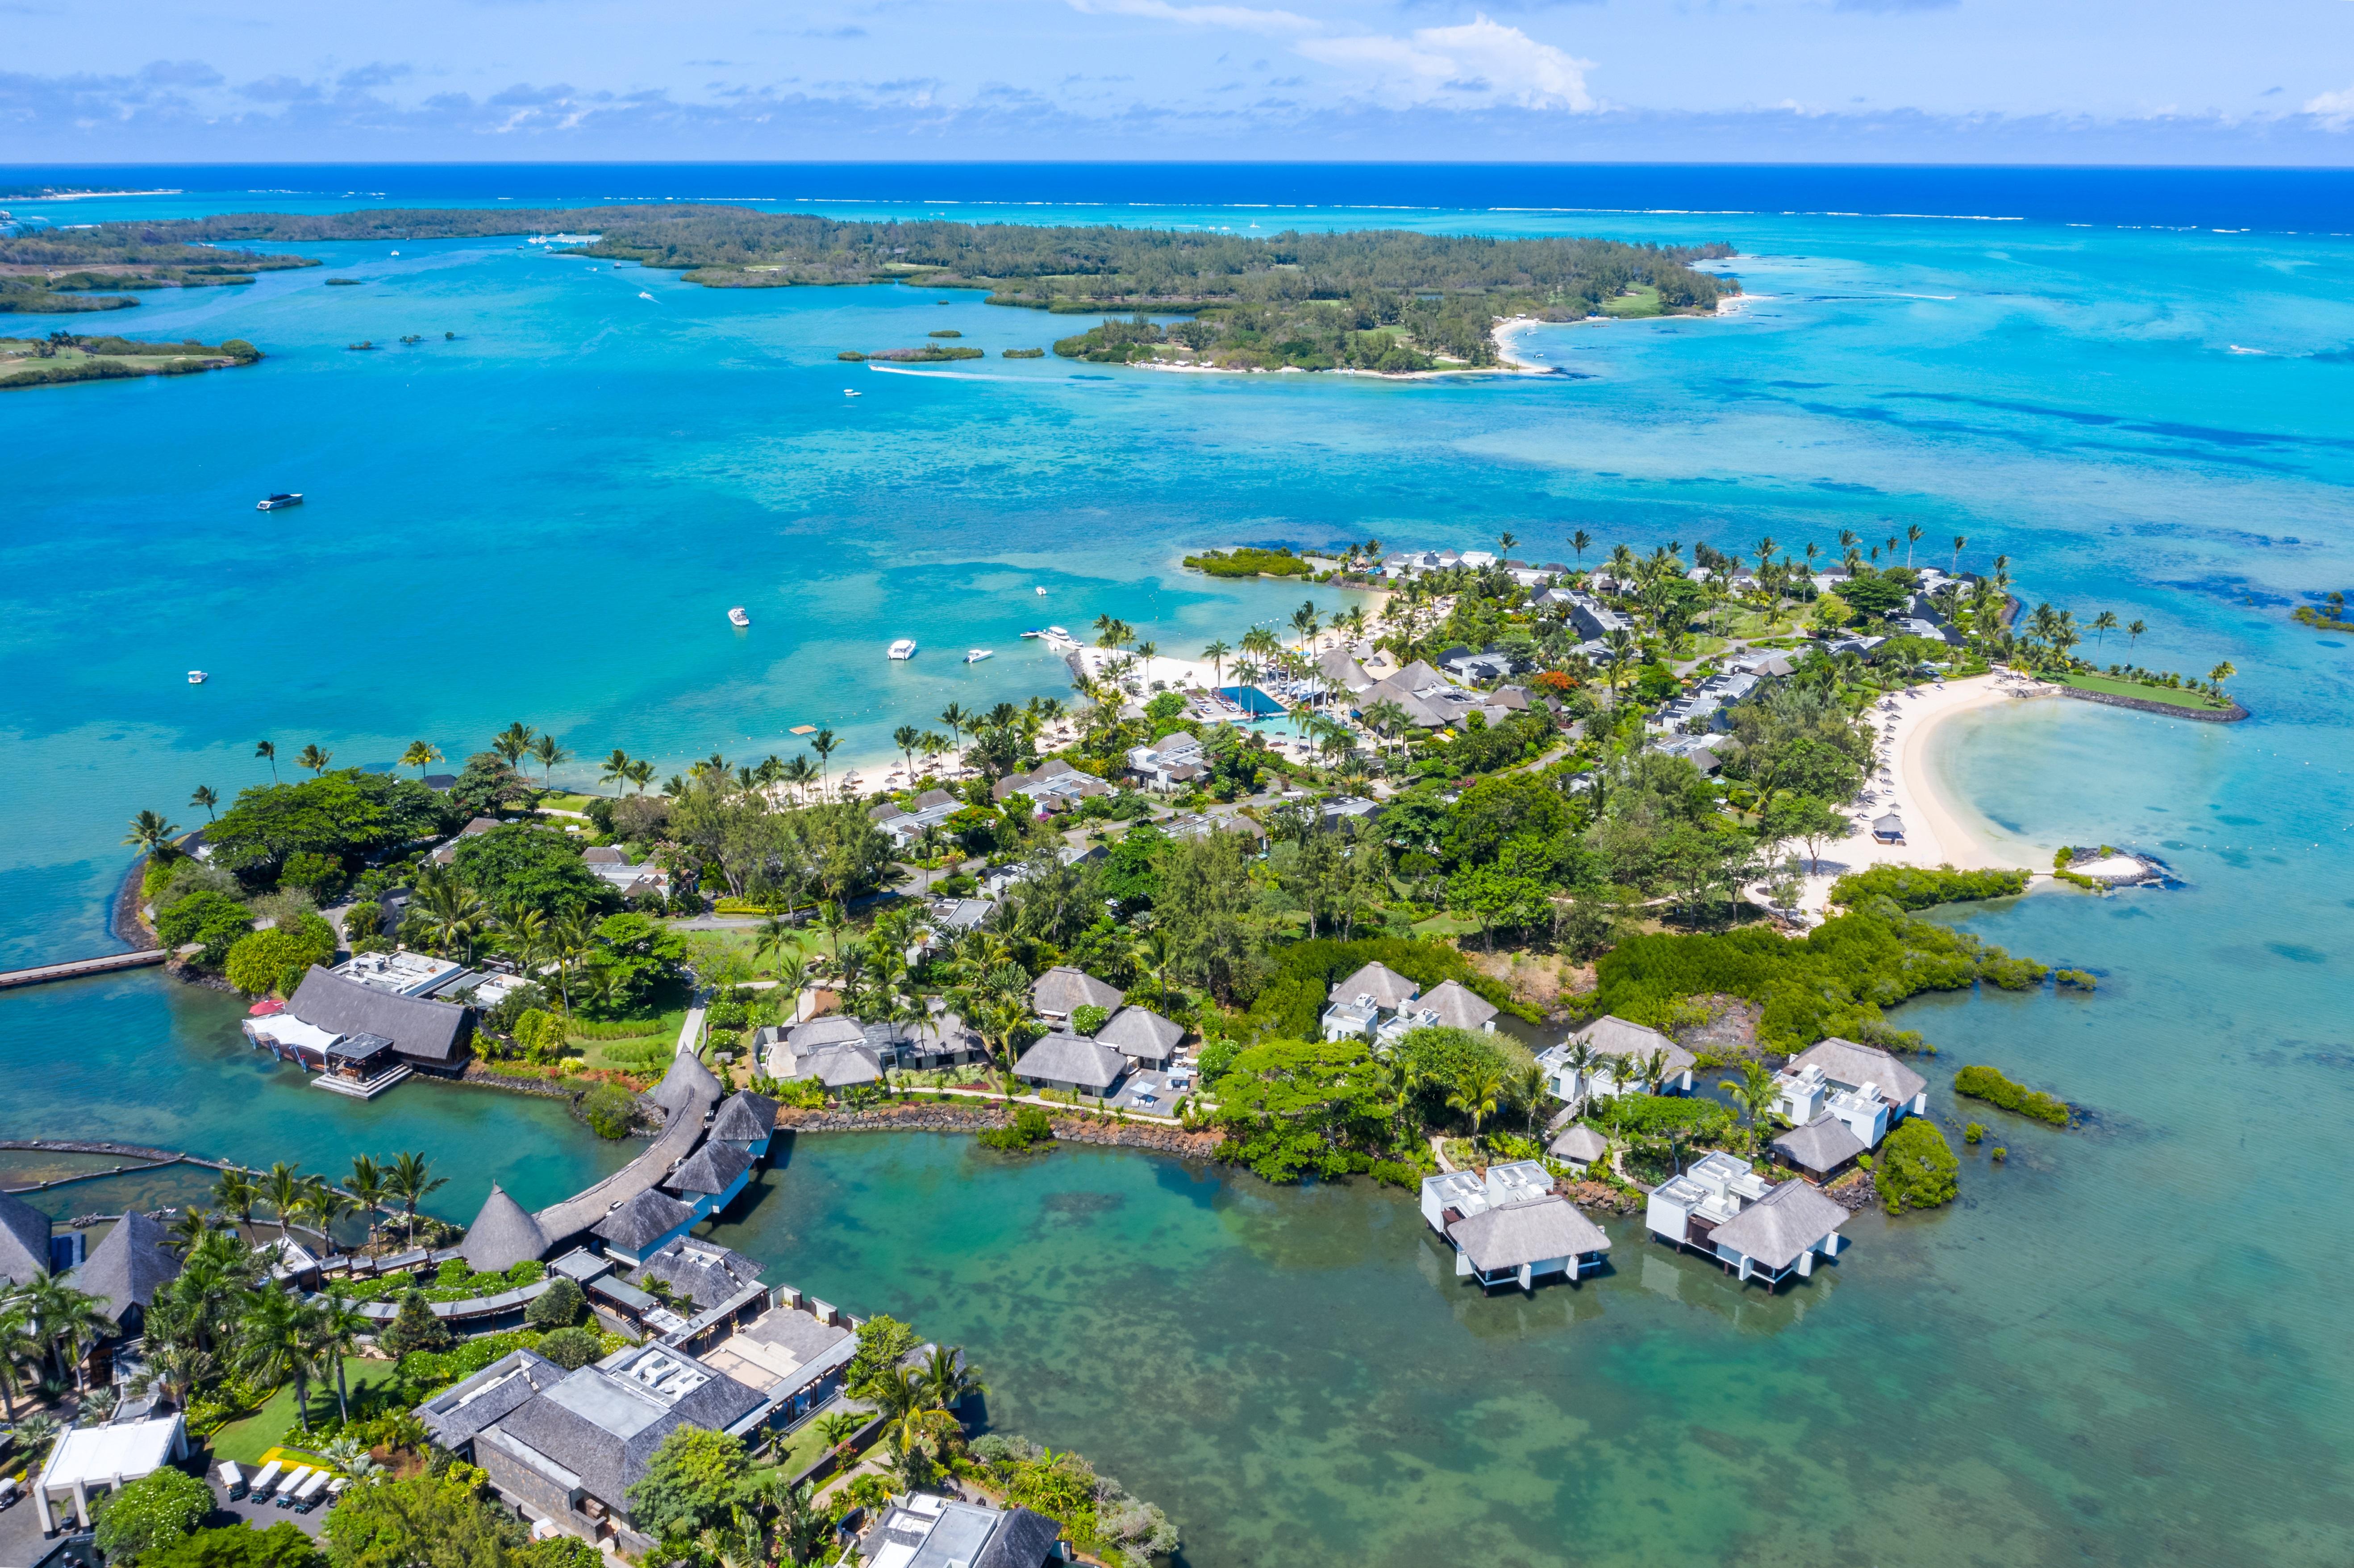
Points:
x=2233 y=714
x=930 y=1116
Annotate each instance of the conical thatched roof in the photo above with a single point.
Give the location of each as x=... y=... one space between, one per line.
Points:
x=687 y=1080
x=130 y=1265
x=745 y=1118
x=501 y=1236
x=24 y=1241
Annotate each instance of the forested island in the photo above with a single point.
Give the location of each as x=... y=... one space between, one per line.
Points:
x=54 y=270
x=62 y=357
x=1384 y=300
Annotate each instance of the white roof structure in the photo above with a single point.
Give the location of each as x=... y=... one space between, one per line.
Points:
x=87 y=1458
x=283 y=1029
x=1850 y=1066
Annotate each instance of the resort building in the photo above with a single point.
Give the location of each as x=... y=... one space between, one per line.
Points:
x=611 y=865
x=643 y=1226
x=369 y=1023
x=746 y=1120
x=1579 y=1147
x=1056 y=786
x=1454 y=1005
x=565 y=1448
x=1169 y=763
x=1142 y=1036
x=1613 y=1040
x=88 y=1462
x=502 y=1234
x=926 y=1530
x=27 y=1249
x=126 y=1268
x=1779 y=1236
x=1867 y=1089
x=830 y=1051
x=1072 y=1063
x=1723 y=1209
x=1359 y=1004
x=1429 y=700
x=905 y=824
x=797 y=1353
x=1822 y=1147
x=1063 y=990
x=709 y=1179
x=1509 y=1227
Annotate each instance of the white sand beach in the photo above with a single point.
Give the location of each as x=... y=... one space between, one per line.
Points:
x=1939 y=829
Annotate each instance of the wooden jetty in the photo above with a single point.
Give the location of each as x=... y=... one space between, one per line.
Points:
x=41 y=974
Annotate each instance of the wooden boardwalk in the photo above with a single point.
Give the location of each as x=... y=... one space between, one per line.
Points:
x=42 y=973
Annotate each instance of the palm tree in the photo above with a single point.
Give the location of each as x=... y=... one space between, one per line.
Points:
x=278 y=1336
x=1217 y=654
x=235 y=1193
x=958 y=721
x=203 y=796
x=777 y=936
x=1581 y=542
x=152 y=833
x=18 y=1347
x=1145 y=650
x=1912 y=537
x=1579 y=1061
x=949 y=1380
x=2103 y=624
x=905 y=737
x=1156 y=955
x=335 y=1335
x=642 y=773
x=1504 y=543
x=1304 y=621
x=1752 y=1092
x=616 y=768
x=836 y=1430
x=833 y=920
x=421 y=754
x=283 y=1190
x=513 y=742
x=1477 y=1094
x=326 y=1204
x=452 y=915
x=823 y=743
x=314 y=759
x=548 y=754
x=367 y=1183
x=60 y=1318
x=1959 y=541
x=2133 y=633
x=2221 y=673
x=411 y=1181
x=269 y=753
x=571 y=937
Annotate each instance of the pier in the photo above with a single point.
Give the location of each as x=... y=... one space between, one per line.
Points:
x=41 y=974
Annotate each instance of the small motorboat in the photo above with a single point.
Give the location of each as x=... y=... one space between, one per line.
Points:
x=736 y=617
x=903 y=649
x=643 y=295
x=198 y=677
x=1034 y=634
x=284 y=498
x=1042 y=593
x=975 y=655
x=852 y=392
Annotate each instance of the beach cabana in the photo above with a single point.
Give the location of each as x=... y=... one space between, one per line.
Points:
x=1888 y=829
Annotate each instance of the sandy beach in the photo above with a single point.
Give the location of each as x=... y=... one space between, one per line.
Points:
x=1939 y=829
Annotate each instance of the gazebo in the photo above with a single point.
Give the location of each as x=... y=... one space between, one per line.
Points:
x=1888 y=829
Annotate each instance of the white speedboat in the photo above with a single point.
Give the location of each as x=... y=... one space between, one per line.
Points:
x=1060 y=640
x=903 y=649
x=736 y=617
x=975 y=655
x=198 y=677
x=852 y=392
x=1042 y=593
x=1034 y=634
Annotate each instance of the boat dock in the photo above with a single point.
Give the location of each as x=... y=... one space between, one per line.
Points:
x=41 y=974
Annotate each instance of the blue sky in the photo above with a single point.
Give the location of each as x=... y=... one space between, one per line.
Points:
x=1963 y=81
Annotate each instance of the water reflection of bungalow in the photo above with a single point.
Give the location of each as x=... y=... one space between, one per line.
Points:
x=1509 y=1227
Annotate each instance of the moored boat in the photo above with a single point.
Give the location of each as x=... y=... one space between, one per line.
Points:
x=975 y=655
x=736 y=617
x=284 y=498
x=198 y=677
x=904 y=648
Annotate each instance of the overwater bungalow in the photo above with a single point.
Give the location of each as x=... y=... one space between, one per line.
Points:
x=642 y=1225
x=1722 y=1209
x=1864 y=1087
x=1509 y=1227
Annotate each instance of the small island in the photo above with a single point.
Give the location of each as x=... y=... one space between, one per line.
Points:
x=50 y=271
x=61 y=357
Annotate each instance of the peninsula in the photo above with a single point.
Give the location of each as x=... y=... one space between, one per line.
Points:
x=52 y=270
x=61 y=357
x=1385 y=300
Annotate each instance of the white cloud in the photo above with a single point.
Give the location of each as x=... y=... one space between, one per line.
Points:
x=2335 y=109
x=1481 y=60
x=1240 y=18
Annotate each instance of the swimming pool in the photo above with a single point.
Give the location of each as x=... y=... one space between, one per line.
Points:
x=1252 y=701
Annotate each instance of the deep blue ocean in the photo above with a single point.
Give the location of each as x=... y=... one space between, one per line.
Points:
x=2123 y=1347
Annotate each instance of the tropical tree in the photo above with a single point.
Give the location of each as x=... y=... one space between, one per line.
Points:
x=1578 y=1060
x=1217 y=654
x=1959 y=541
x=548 y=755
x=1581 y=542
x=642 y=773
x=62 y=1320
x=315 y=759
x=410 y=1179
x=2133 y=633
x=1477 y=1094
x=278 y=1343
x=2221 y=673
x=513 y=742
x=823 y=743
x=203 y=795
x=335 y=1335
x=235 y=1193
x=1305 y=621
x=1751 y=1093
x=283 y=1190
x=452 y=915
x=421 y=754
x=268 y=752
x=2103 y=624
x=19 y=1349
x=367 y=1183
x=152 y=833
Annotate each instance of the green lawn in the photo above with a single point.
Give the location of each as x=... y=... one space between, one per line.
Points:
x=246 y=1441
x=1640 y=301
x=2169 y=695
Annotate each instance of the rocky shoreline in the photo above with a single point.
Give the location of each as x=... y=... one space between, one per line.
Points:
x=2233 y=714
x=930 y=1116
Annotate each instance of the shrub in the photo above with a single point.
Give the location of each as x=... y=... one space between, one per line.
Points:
x=560 y=1306
x=155 y=1510
x=2000 y=1152
x=1989 y=1083
x=277 y=959
x=207 y=917
x=240 y=1545
x=570 y=1349
x=1917 y=1169
x=1030 y=1126
x=415 y=1328
x=1086 y=1019
x=608 y=1109
x=362 y=921
x=1915 y=887
x=1657 y=1115
x=2073 y=979
x=1972 y=1133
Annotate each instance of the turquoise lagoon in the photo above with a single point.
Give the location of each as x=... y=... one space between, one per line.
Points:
x=2124 y=1346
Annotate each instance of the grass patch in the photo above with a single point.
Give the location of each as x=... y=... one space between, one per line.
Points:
x=2172 y=697
x=248 y=1440
x=802 y=1449
x=1639 y=300
x=565 y=801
